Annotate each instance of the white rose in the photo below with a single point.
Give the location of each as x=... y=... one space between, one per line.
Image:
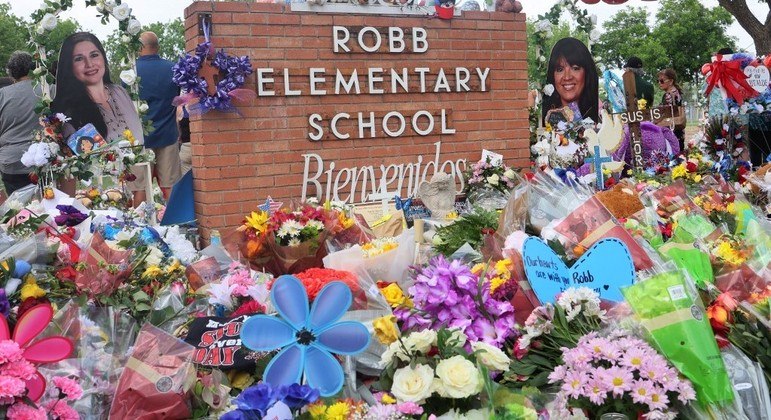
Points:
x=40 y=30
x=420 y=341
x=125 y=39
x=509 y=173
x=459 y=378
x=457 y=337
x=121 y=11
x=133 y=27
x=493 y=179
x=413 y=384
x=490 y=356
x=49 y=22
x=53 y=148
x=143 y=107
x=128 y=77
x=594 y=35
x=548 y=89
x=154 y=257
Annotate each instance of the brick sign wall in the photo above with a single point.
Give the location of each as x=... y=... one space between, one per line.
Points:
x=446 y=90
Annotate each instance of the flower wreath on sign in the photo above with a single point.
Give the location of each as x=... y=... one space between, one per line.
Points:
x=197 y=97
x=49 y=156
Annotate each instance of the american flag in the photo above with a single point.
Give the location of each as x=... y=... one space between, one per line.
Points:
x=270 y=206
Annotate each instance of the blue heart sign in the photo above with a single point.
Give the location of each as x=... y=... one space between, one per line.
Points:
x=605 y=267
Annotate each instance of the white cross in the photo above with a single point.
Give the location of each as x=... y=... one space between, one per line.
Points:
x=384 y=196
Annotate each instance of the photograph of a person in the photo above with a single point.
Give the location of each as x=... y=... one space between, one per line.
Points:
x=573 y=74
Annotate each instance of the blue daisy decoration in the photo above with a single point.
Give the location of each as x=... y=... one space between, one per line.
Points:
x=307 y=337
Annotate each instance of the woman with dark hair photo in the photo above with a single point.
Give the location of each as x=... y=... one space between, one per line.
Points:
x=85 y=93
x=573 y=74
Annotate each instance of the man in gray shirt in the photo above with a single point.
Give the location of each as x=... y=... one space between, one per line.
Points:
x=18 y=121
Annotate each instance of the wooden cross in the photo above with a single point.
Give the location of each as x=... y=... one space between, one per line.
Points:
x=633 y=117
x=598 y=160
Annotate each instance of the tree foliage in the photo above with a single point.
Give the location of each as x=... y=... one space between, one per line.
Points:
x=171 y=37
x=13 y=35
x=759 y=31
x=685 y=36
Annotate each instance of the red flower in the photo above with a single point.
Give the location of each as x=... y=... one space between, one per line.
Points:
x=488 y=231
x=610 y=182
x=691 y=167
x=33 y=178
x=66 y=273
x=30 y=303
x=249 y=308
x=314 y=279
x=519 y=353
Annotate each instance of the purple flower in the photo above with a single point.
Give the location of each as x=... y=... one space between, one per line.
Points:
x=5 y=306
x=70 y=216
x=298 y=396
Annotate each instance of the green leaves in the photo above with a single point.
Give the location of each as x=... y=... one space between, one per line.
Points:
x=466 y=229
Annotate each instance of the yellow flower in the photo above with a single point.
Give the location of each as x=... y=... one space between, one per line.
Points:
x=93 y=193
x=258 y=221
x=317 y=410
x=345 y=221
x=496 y=282
x=388 y=399
x=451 y=215
x=338 y=411
x=503 y=268
x=129 y=136
x=393 y=295
x=679 y=171
x=152 y=271
x=31 y=289
x=385 y=329
x=5 y=265
x=478 y=268
x=173 y=267
x=240 y=380
x=697 y=178
x=642 y=104
x=731 y=208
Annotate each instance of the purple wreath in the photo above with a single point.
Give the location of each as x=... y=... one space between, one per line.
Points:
x=186 y=77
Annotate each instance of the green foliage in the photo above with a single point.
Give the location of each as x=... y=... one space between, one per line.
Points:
x=13 y=35
x=53 y=41
x=171 y=36
x=684 y=37
x=466 y=229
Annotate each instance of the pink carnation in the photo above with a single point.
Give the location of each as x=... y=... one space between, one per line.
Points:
x=21 y=369
x=69 y=387
x=9 y=351
x=11 y=386
x=22 y=411
x=410 y=408
x=60 y=410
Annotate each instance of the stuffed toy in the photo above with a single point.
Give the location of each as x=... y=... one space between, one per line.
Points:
x=509 y=6
x=654 y=138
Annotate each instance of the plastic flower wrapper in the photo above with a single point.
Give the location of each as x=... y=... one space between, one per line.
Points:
x=550 y=199
x=688 y=257
x=674 y=316
x=591 y=221
x=750 y=386
x=249 y=241
x=672 y=204
x=346 y=228
x=514 y=215
x=103 y=338
x=157 y=377
x=34 y=250
x=171 y=309
x=392 y=265
x=102 y=269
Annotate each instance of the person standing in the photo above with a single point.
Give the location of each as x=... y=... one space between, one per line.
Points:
x=18 y=121
x=673 y=96
x=157 y=89
x=643 y=87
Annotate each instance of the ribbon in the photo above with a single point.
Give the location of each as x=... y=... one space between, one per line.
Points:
x=729 y=76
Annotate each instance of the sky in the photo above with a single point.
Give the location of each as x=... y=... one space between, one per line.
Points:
x=149 y=11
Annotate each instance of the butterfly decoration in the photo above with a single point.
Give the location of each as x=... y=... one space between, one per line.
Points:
x=402 y=204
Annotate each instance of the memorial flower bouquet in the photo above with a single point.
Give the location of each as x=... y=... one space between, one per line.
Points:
x=548 y=330
x=448 y=294
x=489 y=185
x=619 y=374
x=297 y=238
x=440 y=369
x=240 y=291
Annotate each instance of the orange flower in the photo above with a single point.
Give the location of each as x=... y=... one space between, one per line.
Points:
x=253 y=248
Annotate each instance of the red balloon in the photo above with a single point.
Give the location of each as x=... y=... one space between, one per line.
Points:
x=591 y=1
x=706 y=68
x=615 y=1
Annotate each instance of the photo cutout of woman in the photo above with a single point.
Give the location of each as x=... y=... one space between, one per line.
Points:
x=573 y=74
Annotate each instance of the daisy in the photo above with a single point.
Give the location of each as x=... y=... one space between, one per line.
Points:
x=574 y=383
x=634 y=358
x=596 y=391
x=641 y=391
x=618 y=379
x=657 y=399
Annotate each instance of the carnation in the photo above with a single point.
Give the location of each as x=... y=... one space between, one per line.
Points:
x=69 y=387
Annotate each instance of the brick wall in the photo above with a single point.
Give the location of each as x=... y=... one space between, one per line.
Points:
x=239 y=160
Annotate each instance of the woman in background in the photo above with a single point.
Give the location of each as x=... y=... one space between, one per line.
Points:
x=673 y=96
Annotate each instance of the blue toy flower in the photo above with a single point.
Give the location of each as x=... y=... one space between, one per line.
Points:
x=306 y=337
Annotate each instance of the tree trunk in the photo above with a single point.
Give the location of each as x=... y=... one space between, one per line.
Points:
x=760 y=32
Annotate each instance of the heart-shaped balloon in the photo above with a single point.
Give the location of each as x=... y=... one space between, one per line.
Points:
x=605 y=267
